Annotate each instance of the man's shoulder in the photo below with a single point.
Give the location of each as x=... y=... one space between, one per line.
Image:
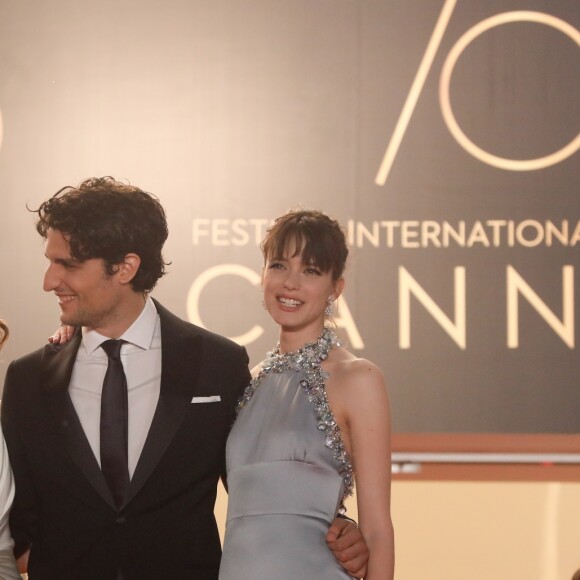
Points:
x=217 y=340
x=29 y=360
x=23 y=373
x=174 y=323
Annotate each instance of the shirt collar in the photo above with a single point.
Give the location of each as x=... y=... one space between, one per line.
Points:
x=140 y=333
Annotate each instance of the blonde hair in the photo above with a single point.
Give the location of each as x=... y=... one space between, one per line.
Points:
x=3 y=333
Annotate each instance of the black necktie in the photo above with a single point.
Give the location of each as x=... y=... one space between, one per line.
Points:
x=114 y=423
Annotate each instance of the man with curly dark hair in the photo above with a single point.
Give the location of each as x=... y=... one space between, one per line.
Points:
x=153 y=518
x=108 y=219
x=117 y=436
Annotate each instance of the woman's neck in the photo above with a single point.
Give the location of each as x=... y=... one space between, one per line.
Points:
x=291 y=341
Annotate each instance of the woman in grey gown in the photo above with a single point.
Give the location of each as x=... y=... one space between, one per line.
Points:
x=313 y=417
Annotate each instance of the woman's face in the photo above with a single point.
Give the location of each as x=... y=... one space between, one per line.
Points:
x=296 y=294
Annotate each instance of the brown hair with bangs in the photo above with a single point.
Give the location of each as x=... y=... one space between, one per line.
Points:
x=314 y=236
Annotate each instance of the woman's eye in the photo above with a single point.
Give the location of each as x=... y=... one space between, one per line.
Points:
x=314 y=271
x=275 y=265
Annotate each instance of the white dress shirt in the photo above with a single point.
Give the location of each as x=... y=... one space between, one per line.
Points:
x=7 y=563
x=141 y=359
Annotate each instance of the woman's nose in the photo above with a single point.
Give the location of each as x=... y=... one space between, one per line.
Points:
x=292 y=280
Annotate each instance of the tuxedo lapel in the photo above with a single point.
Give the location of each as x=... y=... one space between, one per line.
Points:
x=57 y=367
x=180 y=362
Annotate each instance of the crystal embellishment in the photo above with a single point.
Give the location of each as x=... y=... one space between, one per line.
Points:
x=307 y=360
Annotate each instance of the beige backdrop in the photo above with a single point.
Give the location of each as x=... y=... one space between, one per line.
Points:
x=233 y=111
x=481 y=531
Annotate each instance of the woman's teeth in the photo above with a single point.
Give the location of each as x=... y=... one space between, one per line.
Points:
x=289 y=302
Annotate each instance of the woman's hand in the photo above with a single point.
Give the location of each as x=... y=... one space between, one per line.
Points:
x=62 y=334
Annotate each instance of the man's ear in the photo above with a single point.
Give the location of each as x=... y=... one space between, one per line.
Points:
x=127 y=269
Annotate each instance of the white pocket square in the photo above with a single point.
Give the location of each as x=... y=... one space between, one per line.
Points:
x=212 y=399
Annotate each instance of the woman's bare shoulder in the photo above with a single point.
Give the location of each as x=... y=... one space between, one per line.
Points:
x=357 y=389
x=256 y=370
x=351 y=371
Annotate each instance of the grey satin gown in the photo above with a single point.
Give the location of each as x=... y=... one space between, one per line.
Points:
x=284 y=487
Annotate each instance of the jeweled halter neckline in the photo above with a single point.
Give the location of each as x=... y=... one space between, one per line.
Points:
x=308 y=360
x=311 y=354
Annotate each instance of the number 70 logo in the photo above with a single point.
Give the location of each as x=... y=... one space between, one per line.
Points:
x=444 y=99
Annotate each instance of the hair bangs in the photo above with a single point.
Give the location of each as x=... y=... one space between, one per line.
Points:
x=312 y=235
x=298 y=238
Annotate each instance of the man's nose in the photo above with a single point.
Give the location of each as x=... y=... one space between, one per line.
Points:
x=51 y=279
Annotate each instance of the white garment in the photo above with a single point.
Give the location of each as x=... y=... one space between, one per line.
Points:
x=8 y=569
x=141 y=358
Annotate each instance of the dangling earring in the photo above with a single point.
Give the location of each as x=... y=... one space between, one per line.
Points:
x=328 y=309
x=263 y=303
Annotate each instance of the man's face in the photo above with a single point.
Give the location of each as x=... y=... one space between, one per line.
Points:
x=87 y=296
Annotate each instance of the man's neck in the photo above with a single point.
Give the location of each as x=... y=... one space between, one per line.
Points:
x=123 y=317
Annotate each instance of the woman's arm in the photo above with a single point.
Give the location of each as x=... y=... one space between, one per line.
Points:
x=362 y=396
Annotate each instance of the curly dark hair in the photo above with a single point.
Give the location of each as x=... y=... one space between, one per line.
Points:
x=318 y=238
x=107 y=219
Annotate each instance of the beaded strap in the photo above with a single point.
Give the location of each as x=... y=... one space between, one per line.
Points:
x=307 y=360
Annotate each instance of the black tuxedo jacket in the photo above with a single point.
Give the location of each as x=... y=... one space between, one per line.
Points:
x=63 y=508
